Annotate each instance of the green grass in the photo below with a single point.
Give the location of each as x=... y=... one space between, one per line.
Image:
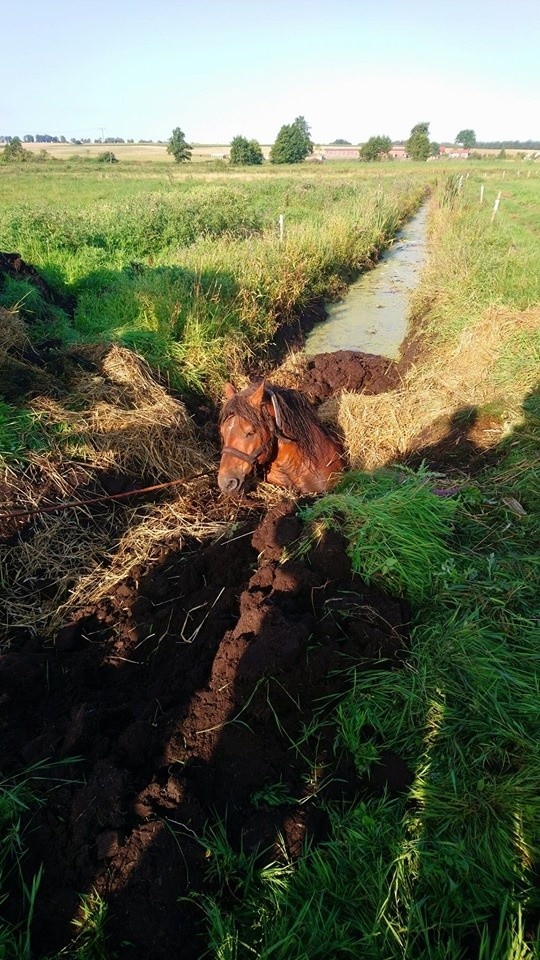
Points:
x=192 y=275
x=18 y=798
x=397 y=528
x=20 y=432
x=449 y=869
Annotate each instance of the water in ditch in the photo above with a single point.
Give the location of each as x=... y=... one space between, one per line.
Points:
x=372 y=317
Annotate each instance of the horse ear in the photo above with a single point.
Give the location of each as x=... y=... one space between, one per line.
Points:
x=257 y=396
x=230 y=392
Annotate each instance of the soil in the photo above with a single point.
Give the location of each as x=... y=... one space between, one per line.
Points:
x=328 y=373
x=12 y=265
x=182 y=694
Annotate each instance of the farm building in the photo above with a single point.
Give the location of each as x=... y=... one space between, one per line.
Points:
x=454 y=152
x=340 y=153
x=398 y=152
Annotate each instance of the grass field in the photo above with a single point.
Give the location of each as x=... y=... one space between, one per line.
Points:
x=189 y=271
x=173 y=267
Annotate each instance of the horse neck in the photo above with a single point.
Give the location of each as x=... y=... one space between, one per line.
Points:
x=290 y=461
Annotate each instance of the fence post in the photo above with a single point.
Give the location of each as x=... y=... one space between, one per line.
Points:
x=281 y=227
x=496 y=205
x=481 y=193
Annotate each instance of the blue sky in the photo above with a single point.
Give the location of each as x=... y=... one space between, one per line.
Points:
x=217 y=68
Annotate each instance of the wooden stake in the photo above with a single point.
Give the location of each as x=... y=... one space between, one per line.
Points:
x=281 y=228
x=496 y=205
x=481 y=193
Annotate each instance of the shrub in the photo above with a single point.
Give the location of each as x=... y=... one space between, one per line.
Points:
x=107 y=157
x=14 y=152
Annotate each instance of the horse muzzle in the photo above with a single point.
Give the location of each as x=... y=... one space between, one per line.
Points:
x=229 y=485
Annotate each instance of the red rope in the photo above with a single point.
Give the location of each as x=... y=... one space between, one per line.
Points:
x=85 y=503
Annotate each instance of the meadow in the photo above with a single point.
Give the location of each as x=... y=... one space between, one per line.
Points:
x=440 y=509
x=191 y=272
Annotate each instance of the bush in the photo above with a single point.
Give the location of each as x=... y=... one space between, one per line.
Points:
x=14 y=152
x=107 y=157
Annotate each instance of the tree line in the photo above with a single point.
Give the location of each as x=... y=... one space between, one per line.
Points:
x=48 y=138
x=294 y=144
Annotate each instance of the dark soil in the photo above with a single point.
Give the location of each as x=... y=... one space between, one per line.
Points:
x=328 y=373
x=145 y=689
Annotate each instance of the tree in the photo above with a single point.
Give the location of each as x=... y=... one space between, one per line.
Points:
x=247 y=152
x=15 y=151
x=340 y=143
x=467 y=138
x=293 y=143
x=434 y=148
x=375 y=148
x=177 y=145
x=418 y=146
x=28 y=138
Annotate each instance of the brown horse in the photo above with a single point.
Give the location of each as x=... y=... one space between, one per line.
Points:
x=276 y=429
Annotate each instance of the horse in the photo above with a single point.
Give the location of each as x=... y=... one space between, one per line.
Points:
x=276 y=429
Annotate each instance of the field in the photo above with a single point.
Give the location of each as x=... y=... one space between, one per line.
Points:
x=268 y=727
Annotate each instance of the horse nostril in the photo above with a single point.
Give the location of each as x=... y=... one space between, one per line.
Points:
x=228 y=485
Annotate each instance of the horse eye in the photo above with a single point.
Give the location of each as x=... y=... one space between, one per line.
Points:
x=250 y=433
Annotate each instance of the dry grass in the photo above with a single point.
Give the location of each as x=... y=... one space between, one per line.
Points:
x=122 y=418
x=75 y=560
x=383 y=428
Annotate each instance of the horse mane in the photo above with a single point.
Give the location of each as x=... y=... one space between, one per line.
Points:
x=299 y=421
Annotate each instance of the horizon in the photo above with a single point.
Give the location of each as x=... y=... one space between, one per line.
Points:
x=249 y=66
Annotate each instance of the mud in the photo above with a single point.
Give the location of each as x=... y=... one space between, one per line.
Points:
x=181 y=694
x=328 y=373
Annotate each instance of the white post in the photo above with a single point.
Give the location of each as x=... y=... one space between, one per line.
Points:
x=496 y=205
x=504 y=174
x=481 y=193
x=281 y=227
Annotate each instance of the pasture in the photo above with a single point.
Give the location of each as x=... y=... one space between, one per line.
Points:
x=267 y=727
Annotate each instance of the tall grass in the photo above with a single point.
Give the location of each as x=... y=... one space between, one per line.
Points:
x=194 y=276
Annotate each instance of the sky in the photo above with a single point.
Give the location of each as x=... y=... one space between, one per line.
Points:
x=217 y=68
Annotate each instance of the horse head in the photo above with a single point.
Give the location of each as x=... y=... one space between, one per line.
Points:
x=276 y=428
x=248 y=434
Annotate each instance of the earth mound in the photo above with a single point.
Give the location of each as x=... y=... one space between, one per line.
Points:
x=13 y=266
x=325 y=374
x=181 y=692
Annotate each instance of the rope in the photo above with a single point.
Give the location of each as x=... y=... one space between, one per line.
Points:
x=84 y=503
